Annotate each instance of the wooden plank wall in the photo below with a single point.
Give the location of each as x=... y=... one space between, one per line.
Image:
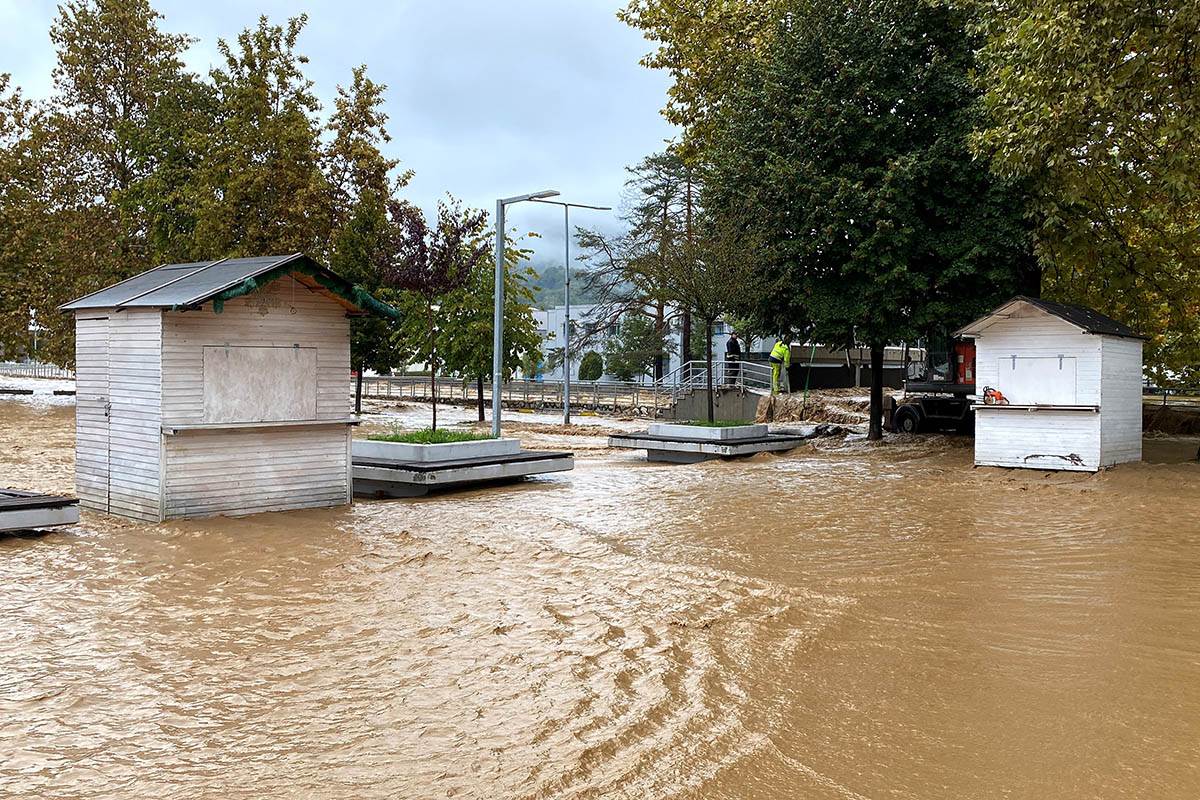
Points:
x=135 y=424
x=1121 y=401
x=247 y=471
x=1006 y=438
x=91 y=397
x=262 y=319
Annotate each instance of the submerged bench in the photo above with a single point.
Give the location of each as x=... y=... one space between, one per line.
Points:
x=391 y=469
x=691 y=444
x=27 y=510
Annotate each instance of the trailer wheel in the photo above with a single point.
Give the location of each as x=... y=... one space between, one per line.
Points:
x=907 y=420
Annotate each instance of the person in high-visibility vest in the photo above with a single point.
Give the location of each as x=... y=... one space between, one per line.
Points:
x=781 y=359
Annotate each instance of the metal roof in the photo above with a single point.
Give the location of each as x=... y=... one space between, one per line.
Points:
x=1086 y=319
x=188 y=285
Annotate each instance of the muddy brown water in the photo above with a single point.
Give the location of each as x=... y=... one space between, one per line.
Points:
x=843 y=622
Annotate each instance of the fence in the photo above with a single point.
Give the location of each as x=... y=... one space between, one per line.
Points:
x=1188 y=397
x=34 y=369
x=604 y=396
x=616 y=397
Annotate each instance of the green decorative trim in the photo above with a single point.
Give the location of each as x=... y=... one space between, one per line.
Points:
x=351 y=293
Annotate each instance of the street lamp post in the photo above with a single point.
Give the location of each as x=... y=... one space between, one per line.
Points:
x=498 y=319
x=566 y=207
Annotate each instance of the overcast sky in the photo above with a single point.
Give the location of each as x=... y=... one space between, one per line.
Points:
x=485 y=98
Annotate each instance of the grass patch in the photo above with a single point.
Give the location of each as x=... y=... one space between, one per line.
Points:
x=720 y=423
x=428 y=436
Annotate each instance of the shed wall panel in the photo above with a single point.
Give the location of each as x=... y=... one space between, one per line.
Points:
x=1121 y=401
x=239 y=472
x=1042 y=336
x=283 y=314
x=91 y=421
x=1040 y=439
x=135 y=423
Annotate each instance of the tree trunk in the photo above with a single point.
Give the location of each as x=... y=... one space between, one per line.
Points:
x=479 y=392
x=358 y=390
x=708 y=365
x=875 y=431
x=685 y=341
x=660 y=325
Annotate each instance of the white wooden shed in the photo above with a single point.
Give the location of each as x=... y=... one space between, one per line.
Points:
x=216 y=387
x=1072 y=379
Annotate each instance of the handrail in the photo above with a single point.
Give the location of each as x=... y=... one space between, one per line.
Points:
x=653 y=398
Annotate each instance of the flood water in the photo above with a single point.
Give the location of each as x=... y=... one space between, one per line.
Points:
x=846 y=621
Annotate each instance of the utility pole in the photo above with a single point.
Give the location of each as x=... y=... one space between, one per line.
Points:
x=567 y=298
x=498 y=317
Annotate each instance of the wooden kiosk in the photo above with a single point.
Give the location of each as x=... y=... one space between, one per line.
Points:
x=216 y=387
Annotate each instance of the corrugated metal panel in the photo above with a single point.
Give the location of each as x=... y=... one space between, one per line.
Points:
x=212 y=280
x=110 y=296
x=178 y=284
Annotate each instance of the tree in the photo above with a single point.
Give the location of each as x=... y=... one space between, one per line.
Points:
x=114 y=73
x=702 y=44
x=260 y=184
x=361 y=180
x=699 y=277
x=660 y=211
x=842 y=160
x=426 y=265
x=1097 y=104
x=469 y=315
x=632 y=352
x=19 y=212
x=591 y=367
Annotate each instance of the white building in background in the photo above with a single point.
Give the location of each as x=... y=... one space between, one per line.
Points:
x=551 y=324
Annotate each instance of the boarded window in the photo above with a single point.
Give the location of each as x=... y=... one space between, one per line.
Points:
x=260 y=384
x=1040 y=380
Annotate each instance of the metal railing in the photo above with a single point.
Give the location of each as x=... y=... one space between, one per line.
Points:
x=642 y=399
x=602 y=396
x=1185 y=396
x=753 y=376
x=34 y=369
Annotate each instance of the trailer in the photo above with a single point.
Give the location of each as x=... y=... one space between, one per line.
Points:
x=937 y=391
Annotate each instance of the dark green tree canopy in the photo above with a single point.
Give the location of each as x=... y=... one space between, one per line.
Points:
x=843 y=157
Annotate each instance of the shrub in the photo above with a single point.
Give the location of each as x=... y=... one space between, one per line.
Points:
x=591 y=368
x=427 y=436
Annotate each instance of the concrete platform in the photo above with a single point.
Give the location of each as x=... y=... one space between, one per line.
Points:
x=695 y=444
x=28 y=510
x=382 y=477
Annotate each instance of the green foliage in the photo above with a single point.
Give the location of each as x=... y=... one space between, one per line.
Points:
x=1097 y=104
x=134 y=162
x=632 y=352
x=430 y=436
x=468 y=317
x=260 y=186
x=591 y=367
x=93 y=146
x=702 y=44
x=466 y=312
x=20 y=200
x=842 y=162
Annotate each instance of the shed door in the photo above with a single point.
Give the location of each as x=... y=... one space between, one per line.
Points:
x=1038 y=380
x=93 y=410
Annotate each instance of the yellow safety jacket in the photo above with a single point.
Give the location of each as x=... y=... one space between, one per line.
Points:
x=782 y=352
